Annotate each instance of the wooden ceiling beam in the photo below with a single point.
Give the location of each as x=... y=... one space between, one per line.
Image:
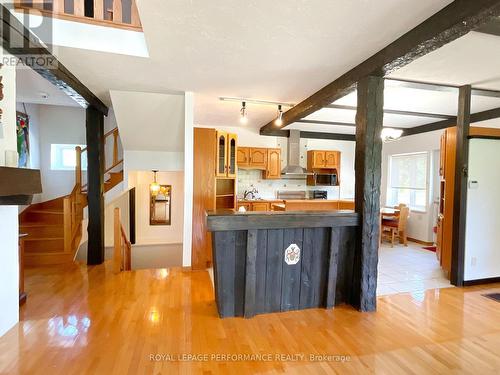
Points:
x=441 y=87
x=394 y=112
x=450 y=23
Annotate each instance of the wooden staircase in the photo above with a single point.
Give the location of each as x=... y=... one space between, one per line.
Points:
x=54 y=227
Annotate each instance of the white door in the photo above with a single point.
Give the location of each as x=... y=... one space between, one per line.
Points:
x=482 y=245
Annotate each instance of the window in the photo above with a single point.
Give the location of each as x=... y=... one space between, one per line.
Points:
x=63 y=157
x=408 y=180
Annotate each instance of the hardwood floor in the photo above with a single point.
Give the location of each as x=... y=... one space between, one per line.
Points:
x=88 y=321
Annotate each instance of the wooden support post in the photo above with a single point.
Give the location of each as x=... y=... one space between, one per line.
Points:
x=368 y=161
x=117 y=242
x=99 y=9
x=79 y=8
x=117 y=11
x=115 y=147
x=460 y=187
x=134 y=18
x=95 y=185
x=67 y=224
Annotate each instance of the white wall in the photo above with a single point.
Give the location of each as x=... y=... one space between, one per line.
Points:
x=420 y=224
x=158 y=234
x=9 y=230
x=482 y=255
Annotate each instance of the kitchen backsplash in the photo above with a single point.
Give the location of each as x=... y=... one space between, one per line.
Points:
x=248 y=179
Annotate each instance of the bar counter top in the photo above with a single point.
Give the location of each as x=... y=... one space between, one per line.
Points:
x=223 y=220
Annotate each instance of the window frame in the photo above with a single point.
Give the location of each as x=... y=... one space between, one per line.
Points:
x=427 y=189
x=56 y=156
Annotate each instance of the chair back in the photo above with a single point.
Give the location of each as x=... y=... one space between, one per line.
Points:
x=404 y=213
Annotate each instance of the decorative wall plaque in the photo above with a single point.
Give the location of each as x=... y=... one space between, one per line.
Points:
x=292 y=254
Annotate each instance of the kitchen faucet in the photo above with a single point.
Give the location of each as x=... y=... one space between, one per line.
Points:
x=250 y=192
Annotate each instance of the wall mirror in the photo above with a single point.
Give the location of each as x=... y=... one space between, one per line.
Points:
x=160 y=208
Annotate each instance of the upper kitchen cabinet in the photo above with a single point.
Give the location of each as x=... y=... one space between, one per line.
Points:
x=323 y=159
x=252 y=158
x=273 y=170
x=226 y=154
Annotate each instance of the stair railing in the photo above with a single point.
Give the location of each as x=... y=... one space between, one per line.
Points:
x=122 y=254
x=116 y=161
x=73 y=215
x=115 y=13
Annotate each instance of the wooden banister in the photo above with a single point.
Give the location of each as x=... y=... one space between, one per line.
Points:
x=122 y=254
x=113 y=17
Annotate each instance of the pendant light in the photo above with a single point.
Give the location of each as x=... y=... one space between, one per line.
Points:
x=279 y=119
x=243 y=113
x=155 y=186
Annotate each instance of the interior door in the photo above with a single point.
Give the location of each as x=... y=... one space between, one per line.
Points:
x=231 y=155
x=482 y=235
x=221 y=154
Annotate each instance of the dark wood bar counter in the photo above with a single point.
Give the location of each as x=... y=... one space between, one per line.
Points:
x=279 y=261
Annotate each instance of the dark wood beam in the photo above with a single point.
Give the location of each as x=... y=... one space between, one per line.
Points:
x=450 y=23
x=95 y=183
x=442 y=87
x=460 y=188
x=393 y=112
x=491 y=28
x=14 y=32
x=439 y=125
x=368 y=172
x=330 y=136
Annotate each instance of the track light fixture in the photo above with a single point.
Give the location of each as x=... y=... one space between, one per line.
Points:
x=279 y=119
x=243 y=113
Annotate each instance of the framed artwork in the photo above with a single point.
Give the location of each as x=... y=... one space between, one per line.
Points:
x=23 y=139
x=160 y=208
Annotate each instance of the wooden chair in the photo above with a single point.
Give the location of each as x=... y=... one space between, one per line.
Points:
x=396 y=227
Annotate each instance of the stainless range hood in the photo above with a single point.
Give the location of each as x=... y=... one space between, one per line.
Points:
x=293 y=168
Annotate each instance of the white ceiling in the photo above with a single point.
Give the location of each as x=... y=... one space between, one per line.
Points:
x=30 y=86
x=281 y=50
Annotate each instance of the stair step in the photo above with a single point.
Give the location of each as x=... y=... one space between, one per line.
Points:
x=37 y=230
x=43 y=245
x=44 y=217
x=48 y=212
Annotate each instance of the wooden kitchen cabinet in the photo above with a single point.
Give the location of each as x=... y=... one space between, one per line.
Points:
x=260 y=206
x=323 y=159
x=226 y=154
x=258 y=157
x=243 y=157
x=273 y=170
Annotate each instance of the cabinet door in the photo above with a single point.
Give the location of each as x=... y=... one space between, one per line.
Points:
x=318 y=159
x=258 y=157
x=332 y=159
x=273 y=170
x=260 y=206
x=231 y=155
x=243 y=156
x=221 y=154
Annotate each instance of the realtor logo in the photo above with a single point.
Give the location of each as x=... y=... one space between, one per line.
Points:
x=292 y=254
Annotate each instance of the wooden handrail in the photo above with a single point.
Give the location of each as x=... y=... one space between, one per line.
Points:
x=116 y=161
x=122 y=255
x=72 y=219
x=123 y=14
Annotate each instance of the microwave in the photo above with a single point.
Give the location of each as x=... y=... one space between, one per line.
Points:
x=321 y=179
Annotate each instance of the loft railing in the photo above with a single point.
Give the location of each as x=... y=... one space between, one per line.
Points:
x=116 y=160
x=114 y=13
x=122 y=254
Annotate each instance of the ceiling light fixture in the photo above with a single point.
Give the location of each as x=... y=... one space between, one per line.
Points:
x=255 y=101
x=155 y=186
x=243 y=113
x=279 y=120
x=391 y=134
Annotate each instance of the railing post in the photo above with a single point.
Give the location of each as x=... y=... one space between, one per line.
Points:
x=79 y=8
x=78 y=168
x=115 y=147
x=117 y=11
x=117 y=239
x=135 y=20
x=67 y=224
x=99 y=9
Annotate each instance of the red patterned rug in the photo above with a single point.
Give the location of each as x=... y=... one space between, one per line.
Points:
x=430 y=248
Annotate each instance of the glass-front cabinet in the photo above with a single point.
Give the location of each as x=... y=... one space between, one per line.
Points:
x=226 y=154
